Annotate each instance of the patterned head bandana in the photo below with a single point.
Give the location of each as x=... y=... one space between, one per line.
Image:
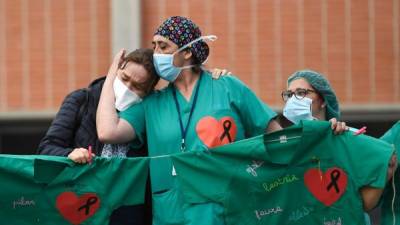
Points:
x=181 y=31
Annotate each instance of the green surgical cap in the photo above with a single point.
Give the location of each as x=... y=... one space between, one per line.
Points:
x=322 y=86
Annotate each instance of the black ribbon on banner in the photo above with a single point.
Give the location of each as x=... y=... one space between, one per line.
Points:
x=335 y=174
x=227 y=127
x=90 y=201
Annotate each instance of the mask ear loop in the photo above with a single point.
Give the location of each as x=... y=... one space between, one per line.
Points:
x=209 y=38
x=206 y=38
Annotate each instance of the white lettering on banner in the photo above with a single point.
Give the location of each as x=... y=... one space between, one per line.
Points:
x=266 y=212
x=337 y=221
x=300 y=213
x=253 y=167
x=22 y=202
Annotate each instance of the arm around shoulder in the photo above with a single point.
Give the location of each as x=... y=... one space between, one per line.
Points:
x=110 y=128
x=120 y=132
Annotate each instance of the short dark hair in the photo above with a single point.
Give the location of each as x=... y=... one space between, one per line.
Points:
x=144 y=57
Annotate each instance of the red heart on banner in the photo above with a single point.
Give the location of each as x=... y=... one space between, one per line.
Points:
x=326 y=187
x=213 y=132
x=77 y=209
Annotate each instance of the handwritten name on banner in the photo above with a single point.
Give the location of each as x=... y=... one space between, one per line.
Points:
x=337 y=221
x=266 y=212
x=22 y=202
x=279 y=182
x=300 y=213
x=252 y=169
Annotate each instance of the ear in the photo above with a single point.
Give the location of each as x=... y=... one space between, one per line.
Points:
x=187 y=54
x=323 y=105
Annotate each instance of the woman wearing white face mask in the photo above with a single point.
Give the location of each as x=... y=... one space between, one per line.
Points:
x=309 y=96
x=70 y=133
x=131 y=84
x=73 y=129
x=194 y=112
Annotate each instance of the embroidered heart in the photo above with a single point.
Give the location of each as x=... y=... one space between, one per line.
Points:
x=77 y=209
x=328 y=187
x=213 y=132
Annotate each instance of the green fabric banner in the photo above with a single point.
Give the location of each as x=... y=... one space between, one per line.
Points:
x=54 y=190
x=301 y=175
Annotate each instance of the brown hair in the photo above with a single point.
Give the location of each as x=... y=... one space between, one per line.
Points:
x=144 y=57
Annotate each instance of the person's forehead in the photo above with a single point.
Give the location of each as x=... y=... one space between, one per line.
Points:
x=300 y=83
x=160 y=39
x=136 y=71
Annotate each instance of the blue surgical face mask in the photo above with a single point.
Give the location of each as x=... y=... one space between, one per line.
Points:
x=296 y=110
x=164 y=63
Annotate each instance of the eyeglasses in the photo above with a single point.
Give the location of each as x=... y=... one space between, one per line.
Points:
x=299 y=93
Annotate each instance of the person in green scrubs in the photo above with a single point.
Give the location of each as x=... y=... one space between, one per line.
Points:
x=392 y=136
x=193 y=113
x=310 y=96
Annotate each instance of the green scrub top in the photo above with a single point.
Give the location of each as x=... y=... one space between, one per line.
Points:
x=226 y=100
x=50 y=190
x=303 y=174
x=392 y=136
x=226 y=110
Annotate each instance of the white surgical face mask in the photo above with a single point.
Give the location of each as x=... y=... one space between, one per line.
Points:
x=296 y=110
x=123 y=96
x=164 y=63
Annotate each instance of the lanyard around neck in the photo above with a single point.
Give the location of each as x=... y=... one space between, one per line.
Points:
x=184 y=129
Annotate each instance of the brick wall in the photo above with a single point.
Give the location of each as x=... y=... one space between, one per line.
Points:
x=48 y=48
x=355 y=43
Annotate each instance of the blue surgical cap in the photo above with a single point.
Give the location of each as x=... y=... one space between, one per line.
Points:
x=322 y=86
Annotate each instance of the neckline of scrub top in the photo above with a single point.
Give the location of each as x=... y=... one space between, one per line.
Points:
x=305 y=134
x=182 y=98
